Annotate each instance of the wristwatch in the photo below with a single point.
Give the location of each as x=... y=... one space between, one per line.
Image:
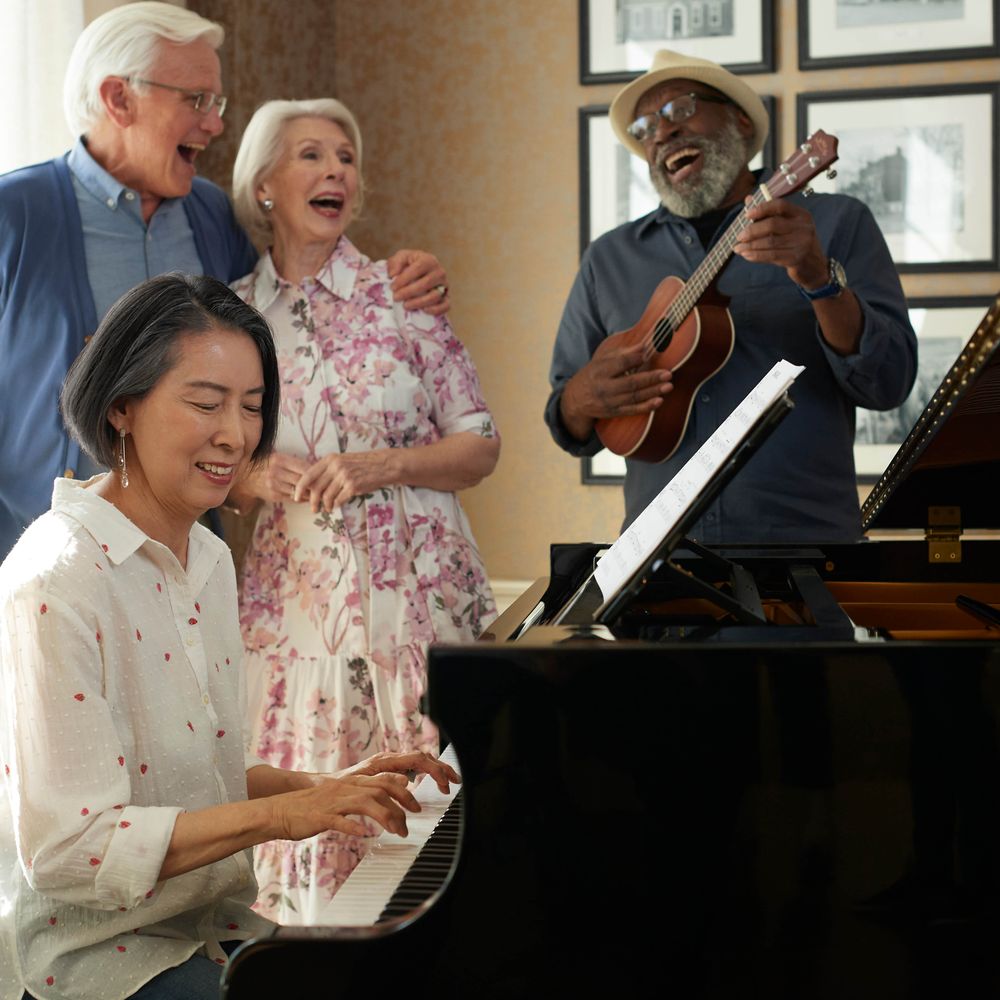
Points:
x=836 y=284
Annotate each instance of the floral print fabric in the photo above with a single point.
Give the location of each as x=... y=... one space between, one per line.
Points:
x=337 y=609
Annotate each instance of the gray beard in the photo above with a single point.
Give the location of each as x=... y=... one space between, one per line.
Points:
x=724 y=156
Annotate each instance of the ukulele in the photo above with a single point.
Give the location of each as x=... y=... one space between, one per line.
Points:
x=686 y=327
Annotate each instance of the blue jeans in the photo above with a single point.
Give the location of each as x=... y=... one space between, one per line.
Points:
x=198 y=978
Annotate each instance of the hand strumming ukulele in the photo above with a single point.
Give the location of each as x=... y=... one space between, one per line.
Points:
x=686 y=327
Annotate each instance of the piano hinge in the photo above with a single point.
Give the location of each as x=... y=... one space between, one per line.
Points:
x=944 y=531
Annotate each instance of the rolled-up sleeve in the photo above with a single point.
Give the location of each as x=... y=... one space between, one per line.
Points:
x=449 y=377
x=579 y=335
x=881 y=374
x=78 y=839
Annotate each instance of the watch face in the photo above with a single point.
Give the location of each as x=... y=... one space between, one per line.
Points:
x=837 y=273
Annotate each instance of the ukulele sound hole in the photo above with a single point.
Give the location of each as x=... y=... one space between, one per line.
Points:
x=664 y=335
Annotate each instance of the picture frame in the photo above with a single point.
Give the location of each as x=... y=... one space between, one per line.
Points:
x=615 y=185
x=835 y=33
x=925 y=161
x=603 y=469
x=619 y=37
x=943 y=326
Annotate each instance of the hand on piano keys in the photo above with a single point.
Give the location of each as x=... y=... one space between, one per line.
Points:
x=375 y=788
x=410 y=764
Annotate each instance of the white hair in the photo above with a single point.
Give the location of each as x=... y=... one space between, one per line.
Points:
x=262 y=146
x=123 y=42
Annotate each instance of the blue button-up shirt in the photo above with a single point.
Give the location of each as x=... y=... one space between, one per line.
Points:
x=120 y=249
x=800 y=486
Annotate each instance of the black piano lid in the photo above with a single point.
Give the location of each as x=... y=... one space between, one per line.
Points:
x=762 y=428
x=951 y=457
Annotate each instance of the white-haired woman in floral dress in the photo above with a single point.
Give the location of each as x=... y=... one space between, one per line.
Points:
x=362 y=554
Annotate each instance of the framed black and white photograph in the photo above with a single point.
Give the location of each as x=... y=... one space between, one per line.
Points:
x=943 y=327
x=924 y=160
x=871 y=32
x=603 y=469
x=619 y=37
x=615 y=185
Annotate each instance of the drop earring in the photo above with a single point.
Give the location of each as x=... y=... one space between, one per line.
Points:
x=122 y=467
x=268 y=204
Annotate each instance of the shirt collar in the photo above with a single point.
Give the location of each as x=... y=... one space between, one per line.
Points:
x=340 y=272
x=95 y=179
x=338 y=275
x=120 y=539
x=265 y=283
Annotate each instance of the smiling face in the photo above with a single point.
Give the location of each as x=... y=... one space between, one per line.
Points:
x=314 y=186
x=165 y=132
x=191 y=435
x=698 y=164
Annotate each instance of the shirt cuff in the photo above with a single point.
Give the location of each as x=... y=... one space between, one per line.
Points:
x=252 y=760
x=562 y=437
x=480 y=423
x=130 y=868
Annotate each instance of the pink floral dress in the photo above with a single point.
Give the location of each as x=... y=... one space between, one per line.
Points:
x=337 y=609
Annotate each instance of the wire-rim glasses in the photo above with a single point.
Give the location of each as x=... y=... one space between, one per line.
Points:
x=678 y=110
x=202 y=100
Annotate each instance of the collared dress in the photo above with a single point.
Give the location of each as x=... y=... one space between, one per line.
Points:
x=338 y=609
x=121 y=706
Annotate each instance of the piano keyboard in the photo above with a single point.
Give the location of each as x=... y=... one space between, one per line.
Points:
x=400 y=873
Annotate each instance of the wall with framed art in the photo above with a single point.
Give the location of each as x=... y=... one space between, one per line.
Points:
x=471 y=119
x=910 y=89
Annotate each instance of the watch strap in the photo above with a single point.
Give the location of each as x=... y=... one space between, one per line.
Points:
x=834 y=286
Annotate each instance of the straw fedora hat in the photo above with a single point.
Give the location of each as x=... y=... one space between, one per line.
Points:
x=669 y=65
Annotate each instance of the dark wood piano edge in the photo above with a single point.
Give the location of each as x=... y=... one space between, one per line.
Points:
x=506 y=625
x=285 y=937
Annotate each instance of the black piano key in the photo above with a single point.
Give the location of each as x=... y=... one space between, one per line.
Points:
x=430 y=867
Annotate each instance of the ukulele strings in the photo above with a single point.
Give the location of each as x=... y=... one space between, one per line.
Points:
x=695 y=286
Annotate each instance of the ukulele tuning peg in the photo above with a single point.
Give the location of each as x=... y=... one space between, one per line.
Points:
x=831 y=174
x=806 y=192
x=805 y=147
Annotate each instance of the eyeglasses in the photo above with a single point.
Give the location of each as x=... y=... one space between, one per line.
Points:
x=678 y=110
x=202 y=100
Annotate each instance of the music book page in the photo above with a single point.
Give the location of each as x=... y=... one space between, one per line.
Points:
x=638 y=542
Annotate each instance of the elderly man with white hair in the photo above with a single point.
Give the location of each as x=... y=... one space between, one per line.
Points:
x=144 y=94
x=811 y=281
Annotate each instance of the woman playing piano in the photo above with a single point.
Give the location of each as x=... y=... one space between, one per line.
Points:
x=129 y=799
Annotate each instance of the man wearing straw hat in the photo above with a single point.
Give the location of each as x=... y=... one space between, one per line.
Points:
x=810 y=281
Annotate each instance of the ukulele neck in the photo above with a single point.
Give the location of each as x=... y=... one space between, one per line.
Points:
x=715 y=260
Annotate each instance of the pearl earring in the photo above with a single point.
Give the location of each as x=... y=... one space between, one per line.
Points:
x=268 y=204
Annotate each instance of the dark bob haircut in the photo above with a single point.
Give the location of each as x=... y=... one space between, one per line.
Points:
x=134 y=347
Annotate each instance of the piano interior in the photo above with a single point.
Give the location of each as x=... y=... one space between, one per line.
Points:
x=771 y=770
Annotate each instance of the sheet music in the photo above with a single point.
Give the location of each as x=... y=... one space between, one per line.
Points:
x=642 y=536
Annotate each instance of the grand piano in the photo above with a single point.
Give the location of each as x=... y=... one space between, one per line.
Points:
x=756 y=771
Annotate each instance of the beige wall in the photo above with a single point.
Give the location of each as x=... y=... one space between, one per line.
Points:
x=272 y=50
x=469 y=114
x=468 y=110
